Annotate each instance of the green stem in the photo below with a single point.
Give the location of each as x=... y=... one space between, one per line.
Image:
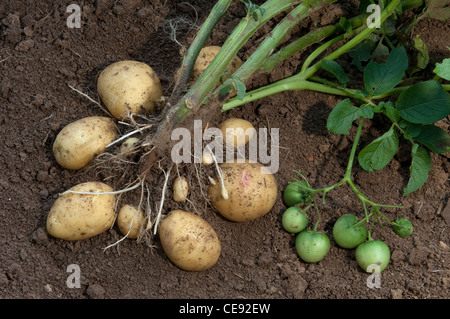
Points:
x=348 y=177
x=316 y=224
x=325 y=46
x=274 y=38
x=296 y=82
x=318 y=35
x=348 y=171
x=192 y=100
x=310 y=38
x=289 y=84
x=240 y=35
x=351 y=159
x=404 y=133
x=217 y=12
x=352 y=43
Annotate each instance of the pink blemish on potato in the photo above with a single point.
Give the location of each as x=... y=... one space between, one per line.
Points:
x=245 y=180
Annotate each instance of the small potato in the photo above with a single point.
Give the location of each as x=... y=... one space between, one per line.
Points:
x=130 y=221
x=180 y=189
x=207 y=158
x=128 y=145
x=129 y=87
x=81 y=216
x=189 y=241
x=252 y=191
x=78 y=143
x=237 y=132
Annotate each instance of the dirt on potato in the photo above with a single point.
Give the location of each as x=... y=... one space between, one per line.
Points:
x=42 y=59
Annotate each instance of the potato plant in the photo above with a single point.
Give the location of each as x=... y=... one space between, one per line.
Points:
x=412 y=109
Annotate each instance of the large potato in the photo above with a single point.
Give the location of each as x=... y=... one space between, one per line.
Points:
x=129 y=87
x=130 y=221
x=81 y=216
x=237 y=132
x=78 y=143
x=251 y=194
x=189 y=241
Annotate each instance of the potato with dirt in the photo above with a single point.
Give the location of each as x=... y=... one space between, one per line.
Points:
x=130 y=221
x=248 y=191
x=78 y=143
x=237 y=132
x=82 y=212
x=189 y=241
x=180 y=189
x=129 y=87
x=129 y=145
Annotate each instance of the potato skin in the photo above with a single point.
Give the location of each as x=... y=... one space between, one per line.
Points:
x=130 y=216
x=81 y=216
x=128 y=145
x=78 y=143
x=236 y=138
x=251 y=194
x=189 y=241
x=129 y=87
x=180 y=189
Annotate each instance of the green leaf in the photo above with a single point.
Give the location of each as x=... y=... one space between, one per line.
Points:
x=240 y=87
x=434 y=137
x=419 y=169
x=336 y=69
x=367 y=111
x=380 y=78
x=424 y=103
x=379 y=153
x=413 y=130
x=443 y=69
x=381 y=53
x=363 y=51
x=391 y=112
x=343 y=114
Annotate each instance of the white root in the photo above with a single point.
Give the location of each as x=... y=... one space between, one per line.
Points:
x=149 y=212
x=219 y=172
x=103 y=193
x=211 y=180
x=126 y=235
x=90 y=99
x=172 y=26
x=158 y=217
x=139 y=130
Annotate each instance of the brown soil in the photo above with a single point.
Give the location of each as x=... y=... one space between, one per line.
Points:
x=40 y=57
